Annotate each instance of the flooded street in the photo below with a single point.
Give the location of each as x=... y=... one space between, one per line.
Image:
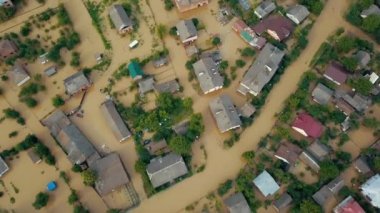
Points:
x=221 y=164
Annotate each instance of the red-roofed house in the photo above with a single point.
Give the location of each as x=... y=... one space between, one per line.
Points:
x=336 y=73
x=307 y=126
x=349 y=205
x=276 y=26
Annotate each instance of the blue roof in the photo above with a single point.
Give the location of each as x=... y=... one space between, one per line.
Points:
x=51 y=186
x=266 y=184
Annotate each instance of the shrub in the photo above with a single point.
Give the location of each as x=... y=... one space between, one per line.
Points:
x=89 y=177
x=30 y=102
x=76 y=168
x=11 y=113
x=168 y=5
x=63 y=16
x=247 y=52
x=13 y=134
x=225 y=187
x=58 y=101
x=240 y=63
x=75 y=59
x=73 y=197
x=216 y=41
x=41 y=200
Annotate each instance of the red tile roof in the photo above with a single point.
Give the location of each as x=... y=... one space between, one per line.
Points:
x=312 y=127
x=336 y=72
x=239 y=25
x=279 y=24
x=349 y=206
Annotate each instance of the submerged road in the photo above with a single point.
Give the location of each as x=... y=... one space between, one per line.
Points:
x=223 y=164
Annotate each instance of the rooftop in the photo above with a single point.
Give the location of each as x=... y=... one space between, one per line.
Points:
x=322 y=94
x=284 y=201
x=371 y=10
x=3 y=167
x=282 y=26
x=288 y=152
x=336 y=73
x=363 y=58
x=264 y=8
x=247 y=110
x=361 y=165
x=119 y=17
x=266 y=184
x=237 y=203
x=19 y=74
x=135 y=70
x=349 y=205
x=146 y=85
x=207 y=73
x=186 y=29
x=297 y=13
x=371 y=190
x=114 y=120
x=162 y=170
x=319 y=150
x=225 y=113
x=309 y=126
x=168 y=86
x=76 y=83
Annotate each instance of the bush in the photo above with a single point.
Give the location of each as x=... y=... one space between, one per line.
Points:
x=58 y=101
x=180 y=145
x=63 y=16
x=80 y=209
x=30 y=102
x=75 y=59
x=168 y=5
x=13 y=134
x=247 y=52
x=25 y=29
x=216 y=41
x=225 y=187
x=361 y=85
x=89 y=177
x=76 y=168
x=73 y=197
x=41 y=200
x=11 y=113
x=240 y=63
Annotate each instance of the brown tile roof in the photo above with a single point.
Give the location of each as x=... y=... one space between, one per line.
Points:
x=279 y=24
x=289 y=152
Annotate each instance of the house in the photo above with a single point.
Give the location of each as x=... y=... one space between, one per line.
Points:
x=310 y=161
x=237 y=203
x=288 y=153
x=361 y=166
x=186 y=5
x=336 y=73
x=371 y=190
x=7 y=49
x=371 y=10
x=77 y=147
x=245 y=4
x=277 y=26
x=111 y=174
x=322 y=94
x=3 y=167
x=207 y=73
x=146 y=85
x=297 y=13
x=19 y=75
x=216 y=56
x=120 y=19
x=114 y=120
x=282 y=203
x=76 y=83
x=328 y=192
x=187 y=31
x=160 y=62
x=50 y=71
x=307 y=126
x=181 y=127
x=349 y=205
x=171 y=86
x=363 y=58
x=225 y=113
x=162 y=170
x=135 y=70
x=6 y=3
x=33 y=156
x=261 y=71
x=191 y=50
x=248 y=35
x=319 y=150
x=359 y=102
x=344 y=107
x=373 y=77
x=157 y=147
x=247 y=110
x=265 y=8
x=266 y=184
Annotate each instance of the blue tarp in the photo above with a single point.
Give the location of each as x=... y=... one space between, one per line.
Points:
x=51 y=186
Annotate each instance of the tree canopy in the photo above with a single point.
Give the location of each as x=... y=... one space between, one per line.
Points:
x=41 y=200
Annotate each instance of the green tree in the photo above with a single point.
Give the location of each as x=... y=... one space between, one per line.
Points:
x=73 y=197
x=216 y=41
x=196 y=127
x=223 y=65
x=247 y=52
x=89 y=177
x=349 y=63
x=371 y=123
x=362 y=85
x=41 y=200
x=328 y=171
x=76 y=168
x=372 y=23
x=308 y=206
x=58 y=101
x=80 y=209
x=249 y=155
x=168 y=5
x=75 y=59
x=30 y=102
x=11 y=113
x=345 y=43
x=180 y=145
x=161 y=31
x=240 y=63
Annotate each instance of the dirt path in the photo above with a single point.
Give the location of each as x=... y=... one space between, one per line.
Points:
x=223 y=164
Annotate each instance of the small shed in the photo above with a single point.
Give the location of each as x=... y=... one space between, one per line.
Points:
x=161 y=61
x=361 y=166
x=247 y=110
x=33 y=156
x=281 y=203
x=146 y=85
x=135 y=70
x=50 y=71
x=52 y=185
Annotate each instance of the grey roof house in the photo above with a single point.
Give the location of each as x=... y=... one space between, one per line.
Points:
x=247 y=110
x=207 y=73
x=168 y=86
x=371 y=10
x=111 y=174
x=237 y=203
x=297 y=13
x=322 y=94
x=371 y=190
x=114 y=120
x=76 y=83
x=146 y=85
x=3 y=167
x=187 y=31
x=120 y=19
x=282 y=203
x=262 y=70
x=266 y=184
x=319 y=150
x=162 y=170
x=181 y=127
x=50 y=71
x=328 y=192
x=361 y=166
x=19 y=74
x=225 y=113
x=363 y=58
x=265 y=8
x=358 y=102
x=77 y=147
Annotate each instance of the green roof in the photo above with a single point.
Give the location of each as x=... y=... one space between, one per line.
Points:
x=246 y=36
x=135 y=69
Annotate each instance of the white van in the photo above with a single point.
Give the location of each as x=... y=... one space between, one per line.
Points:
x=133 y=44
